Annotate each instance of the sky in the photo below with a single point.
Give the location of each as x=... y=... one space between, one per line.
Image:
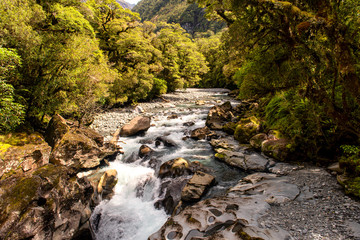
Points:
x=132 y=1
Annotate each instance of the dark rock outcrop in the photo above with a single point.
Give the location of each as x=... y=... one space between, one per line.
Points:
x=49 y=203
x=137 y=125
x=219 y=115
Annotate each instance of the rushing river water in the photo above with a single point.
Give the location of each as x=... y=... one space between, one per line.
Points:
x=129 y=215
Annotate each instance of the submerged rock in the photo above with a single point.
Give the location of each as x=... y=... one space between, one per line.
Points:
x=166 y=141
x=136 y=125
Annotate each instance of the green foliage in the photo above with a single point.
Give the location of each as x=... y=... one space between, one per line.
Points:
x=350 y=150
x=158 y=88
x=11 y=113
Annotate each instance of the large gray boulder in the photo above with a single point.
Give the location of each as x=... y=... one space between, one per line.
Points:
x=137 y=125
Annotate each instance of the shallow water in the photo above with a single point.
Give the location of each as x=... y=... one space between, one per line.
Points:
x=130 y=216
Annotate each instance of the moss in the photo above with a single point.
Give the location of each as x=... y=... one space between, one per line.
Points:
x=22 y=194
x=246 y=128
x=229 y=128
x=220 y=156
x=350 y=164
x=352 y=186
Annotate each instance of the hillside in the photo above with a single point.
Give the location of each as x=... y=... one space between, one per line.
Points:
x=125 y=4
x=189 y=16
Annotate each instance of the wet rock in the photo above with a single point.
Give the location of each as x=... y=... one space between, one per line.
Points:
x=170 y=194
x=107 y=183
x=49 y=203
x=145 y=151
x=197 y=186
x=130 y=158
x=277 y=148
x=202 y=133
x=188 y=124
x=256 y=162
x=173 y=116
x=246 y=128
x=166 y=141
x=175 y=168
x=219 y=115
x=136 y=125
x=257 y=140
x=56 y=129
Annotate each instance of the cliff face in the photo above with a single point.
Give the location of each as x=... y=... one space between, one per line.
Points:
x=189 y=16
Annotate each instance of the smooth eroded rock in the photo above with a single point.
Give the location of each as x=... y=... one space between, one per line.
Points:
x=137 y=125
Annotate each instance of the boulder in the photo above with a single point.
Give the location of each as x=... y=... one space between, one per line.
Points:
x=166 y=141
x=202 y=133
x=257 y=140
x=170 y=194
x=49 y=203
x=77 y=150
x=23 y=152
x=219 y=115
x=107 y=183
x=230 y=128
x=175 y=168
x=137 y=125
x=246 y=128
x=277 y=148
x=56 y=129
x=145 y=151
x=335 y=167
x=228 y=143
x=197 y=186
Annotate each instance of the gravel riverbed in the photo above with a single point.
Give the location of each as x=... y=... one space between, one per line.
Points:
x=322 y=211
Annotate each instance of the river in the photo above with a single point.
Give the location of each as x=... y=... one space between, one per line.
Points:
x=130 y=215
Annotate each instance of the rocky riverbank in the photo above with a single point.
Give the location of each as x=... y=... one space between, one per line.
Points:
x=280 y=201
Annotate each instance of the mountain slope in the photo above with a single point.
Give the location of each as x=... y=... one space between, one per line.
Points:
x=125 y=4
x=189 y=16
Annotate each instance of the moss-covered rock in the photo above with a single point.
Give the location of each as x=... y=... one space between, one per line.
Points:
x=76 y=150
x=56 y=129
x=230 y=128
x=22 y=152
x=257 y=140
x=175 y=168
x=38 y=204
x=277 y=148
x=246 y=128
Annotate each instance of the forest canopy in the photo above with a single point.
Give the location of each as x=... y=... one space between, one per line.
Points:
x=70 y=56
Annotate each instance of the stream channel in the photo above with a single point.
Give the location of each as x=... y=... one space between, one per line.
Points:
x=130 y=213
